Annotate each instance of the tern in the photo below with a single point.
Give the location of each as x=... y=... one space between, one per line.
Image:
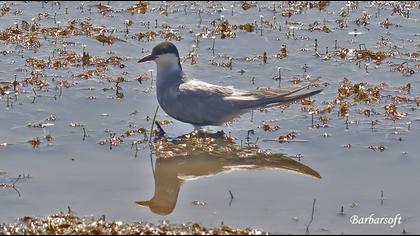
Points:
x=203 y=104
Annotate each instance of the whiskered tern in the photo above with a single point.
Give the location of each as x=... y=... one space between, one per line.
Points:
x=202 y=104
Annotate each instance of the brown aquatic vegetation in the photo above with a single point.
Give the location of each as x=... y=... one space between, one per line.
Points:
x=35 y=142
x=403 y=68
x=282 y=52
x=103 y=8
x=381 y=148
x=223 y=28
x=168 y=33
x=149 y=35
x=359 y=92
x=105 y=39
x=246 y=5
x=307 y=102
x=266 y=127
x=298 y=7
x=24 y=36
x=360 y=54
x=286 y=138
x=344 y=109
x=164 y=122
x=368 y=54
x=363 y=20
x=70 y=224
x=367 y=112
x=316 y=26
x=140 y=7
x=5 y=8
x=391 y=111
x=247 y=27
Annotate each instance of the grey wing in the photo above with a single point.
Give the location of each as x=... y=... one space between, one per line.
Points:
x=206 y=104
x=209 y=104
x=264 y=97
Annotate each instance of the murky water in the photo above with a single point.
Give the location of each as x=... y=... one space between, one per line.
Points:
x=366 y=168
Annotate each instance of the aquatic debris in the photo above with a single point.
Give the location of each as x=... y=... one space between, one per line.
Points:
x=105 y=39
x=102 y=142
x=282 y=52
x=307 y=102
x=74 y=125
x=140 y=7
x=344 y=109
x=381 y=148
x=265 y=57
x=316 y=26
x=164 y=122
x=367 y=112
x=266 y=127
x=403 y=68
x=149 y=35
x=286 y=138
x=348 y=146
x=391 y=111
x=222 y=27
x=324 y=119
x=5 y=8
x=49 y=137
x=359 y=92
x=35 y=142
x=368 y=54
x=222 y=62
x=168 y=33
x=298 y=7
x=70 y=224
x=386 y=23
x=363 y=20
x=247 y=27
x=47 y=122
x=103 y=8
x=199 y=203
x=405 y=88
x=246 y=5
x=25 y=36
x=361 y=54
x=13 y=184
x=143 y=77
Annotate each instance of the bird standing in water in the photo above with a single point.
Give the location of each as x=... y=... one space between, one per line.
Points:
x=202 y=104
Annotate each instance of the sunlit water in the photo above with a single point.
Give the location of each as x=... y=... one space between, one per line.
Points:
x=75 y=170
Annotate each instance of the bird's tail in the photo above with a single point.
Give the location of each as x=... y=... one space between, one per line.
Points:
x=283 y=97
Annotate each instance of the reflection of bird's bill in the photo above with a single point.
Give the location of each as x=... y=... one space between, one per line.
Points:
x=156 y=208
x=200 y=154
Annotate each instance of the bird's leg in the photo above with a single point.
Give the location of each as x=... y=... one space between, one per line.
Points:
x=161 y=132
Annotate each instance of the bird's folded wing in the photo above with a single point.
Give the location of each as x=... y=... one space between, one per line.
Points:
x=200 y=88
x=271 y=96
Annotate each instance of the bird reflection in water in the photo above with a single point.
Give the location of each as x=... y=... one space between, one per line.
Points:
x=200 y=154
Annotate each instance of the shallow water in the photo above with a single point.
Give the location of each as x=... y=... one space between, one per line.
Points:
x=75 y=170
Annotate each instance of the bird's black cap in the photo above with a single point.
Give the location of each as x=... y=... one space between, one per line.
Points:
x=164 y=48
